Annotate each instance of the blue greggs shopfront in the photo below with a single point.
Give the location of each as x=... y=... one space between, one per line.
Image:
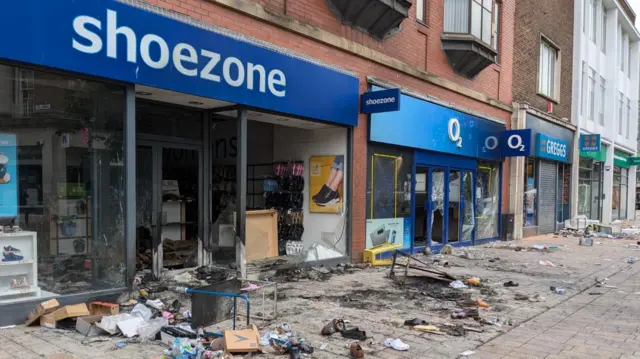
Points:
x=434 y=177
x=125 y=133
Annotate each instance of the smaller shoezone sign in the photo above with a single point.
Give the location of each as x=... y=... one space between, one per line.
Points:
x=590 y=143
x=380 y=101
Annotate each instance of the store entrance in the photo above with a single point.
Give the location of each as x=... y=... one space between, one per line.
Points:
x=445 y=210
x=168 y=200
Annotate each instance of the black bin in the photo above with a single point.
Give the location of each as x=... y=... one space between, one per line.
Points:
x=211 y=309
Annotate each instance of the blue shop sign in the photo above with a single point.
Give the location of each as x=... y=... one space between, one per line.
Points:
x=108 y=39
x=552 y=148
x=589 y=143
x=425 y=125
x=516 y=143
x=380 y=101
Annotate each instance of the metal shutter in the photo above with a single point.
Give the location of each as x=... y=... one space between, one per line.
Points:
x=547 y=178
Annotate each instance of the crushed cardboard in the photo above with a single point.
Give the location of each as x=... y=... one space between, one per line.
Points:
x=102 y=308
x=41 y=309
x=68 y=311
x=87 y=326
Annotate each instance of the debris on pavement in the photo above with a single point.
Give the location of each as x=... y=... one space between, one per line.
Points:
x=396 y=344
x=546 y=263
x=457 y=284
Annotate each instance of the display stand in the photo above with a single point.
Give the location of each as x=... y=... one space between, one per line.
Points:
x=19 y=278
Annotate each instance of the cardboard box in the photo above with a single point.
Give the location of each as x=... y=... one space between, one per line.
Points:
x=68 y=311
x=102 y=308
x=242 y=341
x=87 y=326
x=41 y=309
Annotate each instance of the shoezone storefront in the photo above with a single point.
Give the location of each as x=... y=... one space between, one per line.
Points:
x=434 y=177
x=136 y=139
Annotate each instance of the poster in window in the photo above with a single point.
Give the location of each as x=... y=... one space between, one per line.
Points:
x=8 y=176
x=326 y=174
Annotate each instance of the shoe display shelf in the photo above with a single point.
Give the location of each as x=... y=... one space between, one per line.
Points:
x=19 y=269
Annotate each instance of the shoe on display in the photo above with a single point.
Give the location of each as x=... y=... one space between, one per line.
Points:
x=11 y=257
x=10 y=249
x=331 y=198
x=322 y=193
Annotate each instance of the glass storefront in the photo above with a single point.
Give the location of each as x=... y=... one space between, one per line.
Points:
x=590 y=188
x=488 y=200
x=63 y=155
x=389 y=198
x=529 y=212
x=563 y=189
x=619 y=193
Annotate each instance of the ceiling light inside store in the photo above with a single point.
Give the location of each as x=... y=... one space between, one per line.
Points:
x=143 y=93
x=197 y=103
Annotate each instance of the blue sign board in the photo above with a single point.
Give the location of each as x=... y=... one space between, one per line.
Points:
x=8 y=176
x=516 y=143
x=589 y=143
x=109 y=39
x=380 y=101
x=425 y=125
x=552 y=148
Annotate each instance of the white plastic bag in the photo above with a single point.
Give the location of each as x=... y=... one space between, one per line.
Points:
x=148 y=330
x=141 y=311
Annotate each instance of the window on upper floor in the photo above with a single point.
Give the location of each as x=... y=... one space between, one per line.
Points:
x=620 y=113
x=594 y=20
x=628 y=118
x=421 y=11
x=603 y=40
x=628 y=58
x=592 y=94
x=585 y=15
x=547 y=71
x=621 y=50
x=603 y=88
x=583 y=90
x=470 y=34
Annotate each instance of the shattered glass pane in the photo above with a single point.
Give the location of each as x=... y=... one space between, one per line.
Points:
x=437 y=198
x=584 y=198
x=487 y=200
x=468 y=219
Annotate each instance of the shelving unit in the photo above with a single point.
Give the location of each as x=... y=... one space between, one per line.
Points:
x=27 y=268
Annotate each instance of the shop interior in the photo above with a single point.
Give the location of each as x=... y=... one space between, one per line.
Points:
x=62 y=151
x=296 y=175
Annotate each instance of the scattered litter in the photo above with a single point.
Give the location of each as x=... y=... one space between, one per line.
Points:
x=473 y=281
x=324 y=346
x=631 y=260
x=537 y=298
x=511 y=284
x=457 y=284
x=396 y=344
x=467 y=353
x=546 y=263
x=539 y=247
x=415 y=321
x=120 y=345
x=585 y=241
x=428 y=329
x=482 y=304
x=447 y=249
x=559 y=291
x=465 y=313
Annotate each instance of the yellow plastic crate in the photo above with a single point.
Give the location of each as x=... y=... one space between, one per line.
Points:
x=373 y=254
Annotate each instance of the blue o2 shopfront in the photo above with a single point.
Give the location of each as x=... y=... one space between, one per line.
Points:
x=434 y=177
x=134 y=138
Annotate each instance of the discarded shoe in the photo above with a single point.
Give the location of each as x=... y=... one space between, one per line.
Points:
x=511 y=284
x=396 y=344
x=355 y=351
x=336 y=325
x=354 y=333
x=284 y=330
x=306 y=348
x=414 y=322
x=294 y=352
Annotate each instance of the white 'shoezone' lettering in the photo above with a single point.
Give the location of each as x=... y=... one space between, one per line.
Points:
x=80 y=26
x=188 y=60
x=179 y=57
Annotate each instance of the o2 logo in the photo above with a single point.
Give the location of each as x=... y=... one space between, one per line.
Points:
x=454 y=132
x=515 y=143
x=555 y=148
x=490 y=144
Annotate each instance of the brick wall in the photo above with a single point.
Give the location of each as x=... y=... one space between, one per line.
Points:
x=554 y=20
x=417 y=44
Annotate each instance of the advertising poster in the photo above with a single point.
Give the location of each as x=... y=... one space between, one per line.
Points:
x=326 y=190
x=388 y=230
x=8 y=176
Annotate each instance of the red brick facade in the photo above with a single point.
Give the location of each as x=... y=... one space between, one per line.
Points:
x=417 y=46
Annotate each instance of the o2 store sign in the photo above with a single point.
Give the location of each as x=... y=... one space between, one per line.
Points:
x=515 y=143
x=552 y=148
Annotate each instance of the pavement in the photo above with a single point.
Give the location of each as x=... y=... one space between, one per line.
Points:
x=586 y=321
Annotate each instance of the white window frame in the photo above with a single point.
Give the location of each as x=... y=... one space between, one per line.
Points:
x=459 y=19
x=421 y=11
x=628 y=118
x=603 y=45
x=592 y=94
x=603 y=89
x=583 y=90
x=620 y=113
x=548 y=70
x=585 y=15
x=593 y=33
